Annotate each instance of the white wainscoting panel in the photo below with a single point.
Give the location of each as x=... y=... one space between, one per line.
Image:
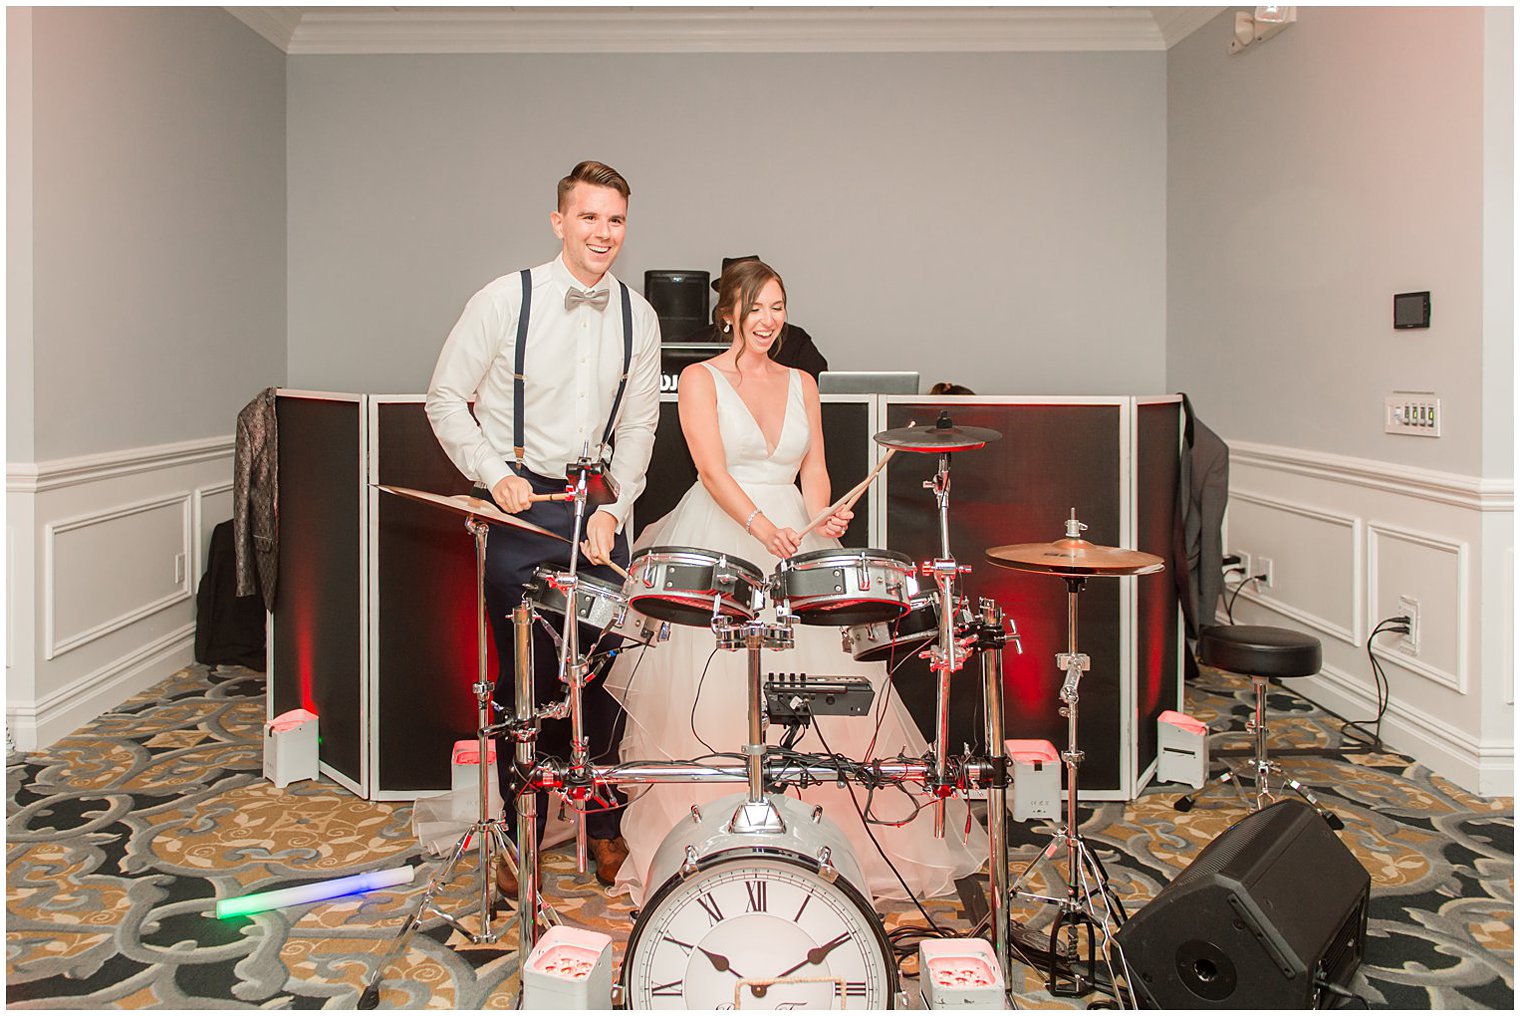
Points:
x=1326 y=597
x=1400 y=561
x=213 y=506
x=109 y=569
x=1349 y=537
x=105 y=554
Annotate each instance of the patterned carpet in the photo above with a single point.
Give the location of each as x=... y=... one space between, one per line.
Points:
x=120 y=838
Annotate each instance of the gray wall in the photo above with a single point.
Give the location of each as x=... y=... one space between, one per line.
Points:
x=159 y=218
x=998 y=220
x=1309 y=179
x=18 y=235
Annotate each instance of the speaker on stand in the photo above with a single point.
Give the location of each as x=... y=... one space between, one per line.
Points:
x=1268 y=914
x=679 y=298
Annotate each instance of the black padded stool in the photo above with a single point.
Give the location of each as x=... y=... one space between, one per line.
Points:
x=1260 y=653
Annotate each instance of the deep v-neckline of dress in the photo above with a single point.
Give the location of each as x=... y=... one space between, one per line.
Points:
x=786 y=410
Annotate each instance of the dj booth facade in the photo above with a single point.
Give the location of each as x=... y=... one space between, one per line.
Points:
x=375 y=630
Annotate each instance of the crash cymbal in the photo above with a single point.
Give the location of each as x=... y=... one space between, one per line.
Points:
x=1074 y=557
x=464 y=504
x=942 y=436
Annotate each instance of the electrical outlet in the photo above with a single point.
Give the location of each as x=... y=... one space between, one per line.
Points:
x=1264 y=569
x=179 y=568
x=1410 y=642
x=1245 y=563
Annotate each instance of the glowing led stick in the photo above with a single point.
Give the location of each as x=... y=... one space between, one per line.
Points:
x=256 y=903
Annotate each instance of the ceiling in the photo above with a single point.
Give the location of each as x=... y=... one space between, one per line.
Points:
x=586 y=29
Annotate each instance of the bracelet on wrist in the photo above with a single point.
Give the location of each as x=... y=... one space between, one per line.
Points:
x=750 y=521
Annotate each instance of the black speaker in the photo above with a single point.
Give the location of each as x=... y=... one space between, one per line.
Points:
x=1275 y=905
x=680 y=300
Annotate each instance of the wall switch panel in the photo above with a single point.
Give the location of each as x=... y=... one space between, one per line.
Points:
x=1417 y=413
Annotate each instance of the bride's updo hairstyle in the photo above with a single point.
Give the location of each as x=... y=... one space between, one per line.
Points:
x=739 y=286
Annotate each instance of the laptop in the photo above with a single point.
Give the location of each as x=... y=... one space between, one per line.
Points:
x=868 y=382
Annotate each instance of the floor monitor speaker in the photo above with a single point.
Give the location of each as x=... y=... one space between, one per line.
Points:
x=1267 y=913
x=680 y=300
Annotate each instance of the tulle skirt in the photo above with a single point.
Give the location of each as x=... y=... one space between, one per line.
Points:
x=687 y=700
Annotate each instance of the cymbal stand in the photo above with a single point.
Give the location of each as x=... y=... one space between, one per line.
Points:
x=487 y=834
x=1090 y=901
x=991 y=637
x=947 y=656
x=572 y=667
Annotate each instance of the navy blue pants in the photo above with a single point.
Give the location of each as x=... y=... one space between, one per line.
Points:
x=512 y=555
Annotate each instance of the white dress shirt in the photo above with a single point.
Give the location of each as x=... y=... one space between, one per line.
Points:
x=573 y=361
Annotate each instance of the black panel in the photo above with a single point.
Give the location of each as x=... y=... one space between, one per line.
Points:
x=670 y=472
x=427 y=644
x=1020 y=490
x=845 y=442
x=317 y=627
x=1158 y=431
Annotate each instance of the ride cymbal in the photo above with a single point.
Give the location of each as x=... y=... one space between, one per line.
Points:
x=1074 y=557
x=942 y=436
x=464 y=504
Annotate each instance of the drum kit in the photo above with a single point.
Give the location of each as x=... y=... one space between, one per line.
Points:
x=756 y=877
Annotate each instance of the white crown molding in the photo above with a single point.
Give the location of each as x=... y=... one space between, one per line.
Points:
x=277 y=24
x=34 y=477
x=710 y=29
x=1177 y=23
x=1477 y=493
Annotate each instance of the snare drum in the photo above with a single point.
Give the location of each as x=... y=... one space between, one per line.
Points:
x=598 y=603
x=845 y=586
x=689 y=585
x=899 y=638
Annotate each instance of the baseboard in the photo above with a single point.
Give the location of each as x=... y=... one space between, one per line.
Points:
x=1483 y=769
x=39 y=724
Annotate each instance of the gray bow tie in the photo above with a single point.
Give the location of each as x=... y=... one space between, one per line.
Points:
x=596 y=300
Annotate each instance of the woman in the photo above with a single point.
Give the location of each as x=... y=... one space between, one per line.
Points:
x=753 y=427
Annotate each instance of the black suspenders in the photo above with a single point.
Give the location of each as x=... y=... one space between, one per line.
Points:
x=519 y=379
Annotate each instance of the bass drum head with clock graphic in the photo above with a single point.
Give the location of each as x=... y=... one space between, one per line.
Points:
x=758 y=921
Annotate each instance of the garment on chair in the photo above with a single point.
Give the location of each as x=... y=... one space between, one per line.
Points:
x=228 y=628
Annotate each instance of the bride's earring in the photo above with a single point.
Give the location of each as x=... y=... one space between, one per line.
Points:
x=727 y=327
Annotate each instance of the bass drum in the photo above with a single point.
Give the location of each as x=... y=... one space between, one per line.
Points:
x=757 y=920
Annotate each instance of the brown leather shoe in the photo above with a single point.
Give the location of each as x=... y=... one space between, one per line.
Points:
x=609 y=856
x=507 y=882
x=506 y=879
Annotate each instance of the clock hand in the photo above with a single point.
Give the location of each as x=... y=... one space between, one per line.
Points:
x=720 y=963
x=814 y=956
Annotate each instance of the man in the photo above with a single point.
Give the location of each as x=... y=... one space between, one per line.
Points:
x=548 y=383
x=795 y=349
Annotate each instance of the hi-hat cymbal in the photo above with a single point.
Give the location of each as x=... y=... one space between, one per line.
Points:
x=937 y=437
x=1074 y=558
x=464 y=504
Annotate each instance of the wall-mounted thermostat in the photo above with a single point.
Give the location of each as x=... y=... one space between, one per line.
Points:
x=1411 y=310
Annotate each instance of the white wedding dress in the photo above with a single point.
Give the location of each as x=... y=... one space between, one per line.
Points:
x=659 y=685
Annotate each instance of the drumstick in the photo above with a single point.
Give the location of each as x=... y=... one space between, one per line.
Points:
x=851 y=497
x=550 y=497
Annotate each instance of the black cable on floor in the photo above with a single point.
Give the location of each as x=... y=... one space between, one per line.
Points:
x=1374 y=737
